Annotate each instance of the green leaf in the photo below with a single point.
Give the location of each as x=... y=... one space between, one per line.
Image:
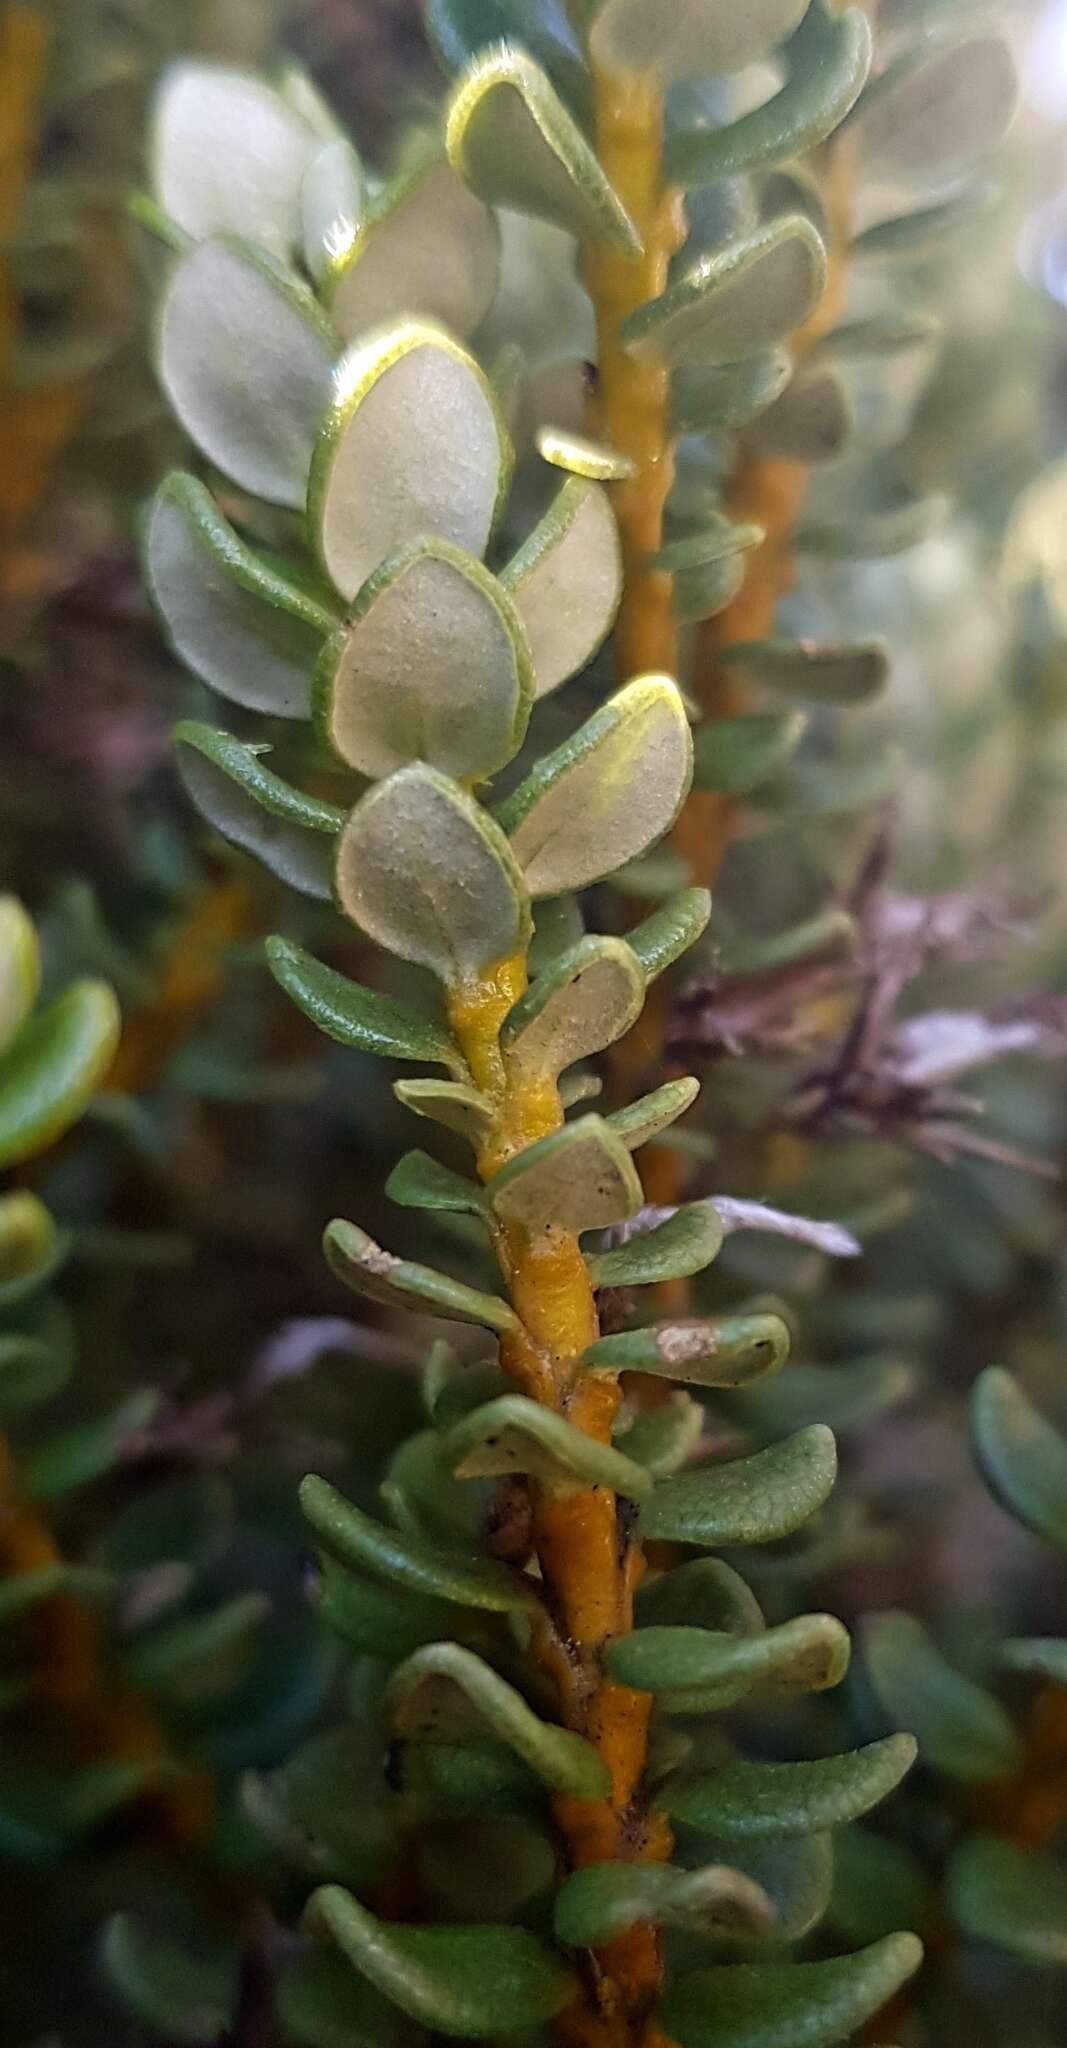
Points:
x=910 y=237
x=797 y=1876
x=228 y=155
x=566 y=582
x=514 y=1434
x=878 y=1886
x=333 y=203
x=845 y=1396
x=515 y=144
x=462 y=29
x=867 y=536
x=435 y=1694
x=754 y=1800
x=811 y=422
x=751 y=1500
x=607 y=794
x=677 y=39
x=199 y=1657
x=1044 y=1655
x=961 y=1729
x=298 y=1810
x=1014 y=1899
x=471 y=1981
x=419 y=1182
x=426 y=872
x=413 y=443
x=788 y=2005
x=730 y=395
x=36 y=1358
x=598 y=1904
x=246 y=360
x=375 y=1620
x=930 y=114
x=799 y=668
x=581 y=1003
x=699 y=1670
x=579 y=1178
x=362 y=1265
x=292 y=834
x=234 y=621
x=78 y=1456
x=52 y=1067
x=663 y=1439
x=880 y=336
x=671 y=930
x=186 y=1996
x=431 y=664
x=477 y=1778
x=737 y=754
x=653 y=1114
x=42 y=1582
x=358 y=1016
x=322 y=2005
x=1023 y=1458
x=20 y=967
x=429 y=247
x=826 y=61
x=828 y=930
x=455 y=1104
x=705 y=1593
x=412 y=1562
x=696 y=1350
x=744 y=298
x=674 y=1250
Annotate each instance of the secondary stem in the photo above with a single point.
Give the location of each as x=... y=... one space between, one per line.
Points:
x=590 y=1561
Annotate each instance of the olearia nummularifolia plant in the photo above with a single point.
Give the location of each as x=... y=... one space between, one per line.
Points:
x=538 y=1658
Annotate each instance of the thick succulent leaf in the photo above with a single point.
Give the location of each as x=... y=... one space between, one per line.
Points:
x=1046 y=1656
x=514 y=1434
x=730 y=395
x=743 y=298
x=827 y=61
x=432 y=664
x=246 y=360
x=471 y=1981
x=598 y=1904
x=846 y=1397
x=751 y=1500
x=879 y=1886
x=462 y=29
x=682 y=39
x=298 y=1810
x=36 y=1357
x=414 y=1563
x=697 y=1670
x=879 y=336
x=231 y=618
x=579 y=1178
x=581 y=457
x=376 y=1620
x=811 y=422
x=932 y=112
x=788 y=2005
x=430 y=247
x=743 y=1800
x=455 y=1104
x=31 y=1248
x=20 y=967
x=829 y=930
x=333 y=204
x=322 y=2004
x=228 y=155
x=198 y=1657
x=697 y=1350
x=401 y=1283
x=674 y=1250
x=800 y=668
x=1023 y=1457
x=427 y=874
x=1015 y=1900
x=664 y=1439
x=475 y=1778
x=357 y=1016
x=867 y=536
x=705 y=1593
x=292 y=834
x=585 y=1000
x=515 y=144
x=437 y=1692
x=661 y=939
x=419 y=1182
x=909 y=237
x=76 y=1457
x=566 y=582
x=797 y=1876
x=607 y=794
x=413 y=443
x=653 y=1114
x=185 y=1996
x=737 y=754
x=52 y=1067
x=960 y=1727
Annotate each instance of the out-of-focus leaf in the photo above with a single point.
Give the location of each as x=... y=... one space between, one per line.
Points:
x=961 y=1729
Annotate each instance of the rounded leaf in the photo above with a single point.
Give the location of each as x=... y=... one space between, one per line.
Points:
x=746 y=1800
x=415 y=1563
x=228 y=155
x=414 y=444
x=427 y=874
x=585 y=1000
x=333 y=201
x=429 y=248
x=928 y=116
x=246 y=360
x=1023 y=1457
x=960 y=1727
x=598 y=1904
x=1014 y=1900
x=579 y=1178
x=566 y=582
x=53 y=1066
x=514 y=1434
x=788 y=2005
x=743 y=298
x=749 y=1500
x=431 y=665
x=437 y=1692
x=20 y=967
x=357 y=1016
x=292 y=834
x=683 y=39
x=826 y=63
